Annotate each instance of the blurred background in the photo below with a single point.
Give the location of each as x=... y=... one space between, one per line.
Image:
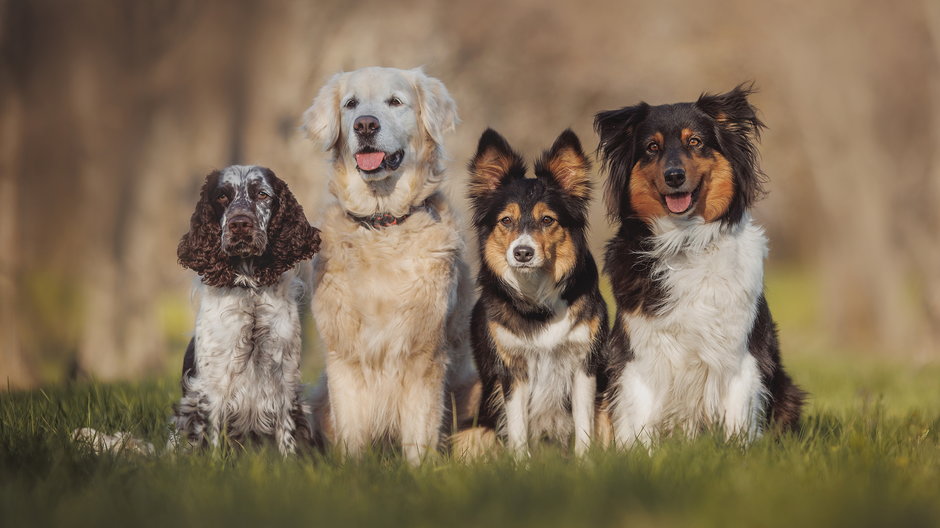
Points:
x=112 y=112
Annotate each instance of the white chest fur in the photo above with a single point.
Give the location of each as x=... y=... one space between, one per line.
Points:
x=554 y=357
x=248 y=353
x=691 y=365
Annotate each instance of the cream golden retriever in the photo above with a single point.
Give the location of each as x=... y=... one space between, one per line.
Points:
x=391 y=292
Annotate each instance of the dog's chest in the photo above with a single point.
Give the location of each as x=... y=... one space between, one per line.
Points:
x=390 y=288
x=697 y=341
x=552 y=356
x=555 y=338
x=247 y=347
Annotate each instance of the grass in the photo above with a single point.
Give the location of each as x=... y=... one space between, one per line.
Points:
x=868 y=455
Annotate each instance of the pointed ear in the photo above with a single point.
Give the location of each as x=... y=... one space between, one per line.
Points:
x=737 y=129
x=617 y=131
x=321 y=120
x=566 y=163
x=493 y=162
x=437 y=109
x=291 y=237
x=201 y=248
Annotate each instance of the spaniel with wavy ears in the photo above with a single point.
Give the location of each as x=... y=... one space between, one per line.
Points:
x=241 y=373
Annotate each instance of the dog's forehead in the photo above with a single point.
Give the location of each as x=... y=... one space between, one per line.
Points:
x=378 y=83
x=244 y=175
x=671 y=119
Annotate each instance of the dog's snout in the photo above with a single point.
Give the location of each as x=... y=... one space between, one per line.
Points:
x=241 y=224
x=675 y=177
x=366 y=125
x=523 y=253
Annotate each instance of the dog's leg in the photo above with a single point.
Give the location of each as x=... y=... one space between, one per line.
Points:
x=351 y=407
x=284 y=430
x=583 y=396
x=634 y=412
x=743 y=402
x=421 y=410
x=190 y=420
x=517 y=418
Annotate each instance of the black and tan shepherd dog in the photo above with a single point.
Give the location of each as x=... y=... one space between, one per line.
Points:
x=693 y=345
x=540 y=324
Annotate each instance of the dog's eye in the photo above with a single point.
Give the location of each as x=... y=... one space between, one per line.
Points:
x=394 y=101
x=506 y=221
x=352 y=103
x=222 y=199
x=547 y=221
x=652 y=146
x=263 y=195
x=694 y=142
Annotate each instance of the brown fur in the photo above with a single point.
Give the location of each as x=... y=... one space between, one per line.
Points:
x=291 y=239
x=713 y=172
x=571 y=169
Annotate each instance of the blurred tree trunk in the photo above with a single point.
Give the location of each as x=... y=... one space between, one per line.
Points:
x=927 y=245
x=15 y=369
x=862 y=277
x=14 y=366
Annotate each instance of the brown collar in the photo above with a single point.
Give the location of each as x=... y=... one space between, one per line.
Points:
x=379 y=220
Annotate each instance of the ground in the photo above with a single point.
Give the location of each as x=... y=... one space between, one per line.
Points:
x=868 y=455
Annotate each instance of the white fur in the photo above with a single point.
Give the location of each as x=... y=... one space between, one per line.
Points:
x=555 y=358
x=417 y=127
x=391 y=304
x=692 y=367
x=247 y=360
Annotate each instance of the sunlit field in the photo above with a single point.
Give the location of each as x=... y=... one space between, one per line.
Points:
x=868 y=455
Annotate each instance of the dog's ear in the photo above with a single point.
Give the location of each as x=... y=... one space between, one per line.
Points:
x=321 y=120
x=494 y=162
x=737 y=129
x=617 y=131
x=290 y=237
x=437 y=109
x=566 y=165
x=201 y=248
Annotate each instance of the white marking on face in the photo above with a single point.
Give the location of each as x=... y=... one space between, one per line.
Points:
x=392 y=100
x=525 y=240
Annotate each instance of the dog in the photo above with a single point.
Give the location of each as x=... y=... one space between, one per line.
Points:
x=540 y=324
x=693 y=345
x=391 y=292
x=241 y=371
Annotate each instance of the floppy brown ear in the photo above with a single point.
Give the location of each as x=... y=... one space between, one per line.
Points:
x=321 y=120
x=290 y=237
x=201 y=248
x=567 y=165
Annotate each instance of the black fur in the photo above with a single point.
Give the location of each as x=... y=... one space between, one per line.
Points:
x=728 y=124
x=502 y=304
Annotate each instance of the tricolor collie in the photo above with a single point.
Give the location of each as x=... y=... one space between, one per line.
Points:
x=693 y=344
x=540 y=323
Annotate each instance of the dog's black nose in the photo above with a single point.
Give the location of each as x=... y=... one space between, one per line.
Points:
x=523 y=253
x=240 y=224
x=675 y=177
x=366 y=125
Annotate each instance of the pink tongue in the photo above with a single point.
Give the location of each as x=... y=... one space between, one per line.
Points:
x=369 y=160
x=678 y=203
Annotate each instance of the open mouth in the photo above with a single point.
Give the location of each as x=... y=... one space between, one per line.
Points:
x=681 y=203
x=370 y=160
